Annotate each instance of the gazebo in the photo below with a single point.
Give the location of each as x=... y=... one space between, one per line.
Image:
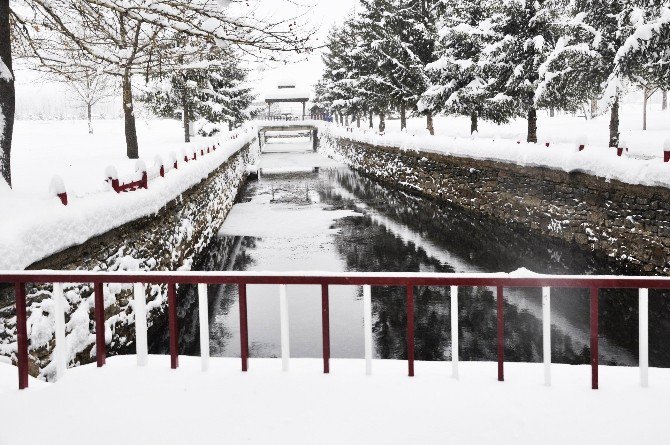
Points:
x=287 y=92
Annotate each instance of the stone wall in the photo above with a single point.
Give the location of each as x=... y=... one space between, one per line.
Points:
x=629 y=224
x=169 y=240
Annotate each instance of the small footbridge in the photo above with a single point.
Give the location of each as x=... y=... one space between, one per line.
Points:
x=288 y=129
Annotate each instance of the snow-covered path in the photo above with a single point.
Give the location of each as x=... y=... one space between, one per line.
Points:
x=122 y=403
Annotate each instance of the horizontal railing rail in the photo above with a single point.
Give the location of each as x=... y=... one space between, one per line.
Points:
x=408 y=280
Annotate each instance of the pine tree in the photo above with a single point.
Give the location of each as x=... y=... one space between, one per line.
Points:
x=456 y=84
x=606 y=46
x=211 y=89
x=525 y=33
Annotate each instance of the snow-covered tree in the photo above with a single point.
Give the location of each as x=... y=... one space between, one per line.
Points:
x=212 y=89
x=607 y=44
x=129 y=38
x=399 y=36
x=524 y=33
x=456 y=81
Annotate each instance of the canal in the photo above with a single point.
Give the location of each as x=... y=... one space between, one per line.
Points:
x=306 y=212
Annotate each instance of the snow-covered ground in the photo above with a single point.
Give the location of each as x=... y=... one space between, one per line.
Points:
x=122 y=403
x=642 y=164
x=35 y=224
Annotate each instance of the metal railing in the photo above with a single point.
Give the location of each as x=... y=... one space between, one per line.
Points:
x=242 y=279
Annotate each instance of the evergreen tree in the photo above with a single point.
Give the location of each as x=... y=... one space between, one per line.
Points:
x=607 y=44
x=211 y=89
x=456 y=84
x=524 y=32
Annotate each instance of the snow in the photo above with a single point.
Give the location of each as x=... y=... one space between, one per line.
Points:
x=303 y=405
x=642 y=164
x=39 y=225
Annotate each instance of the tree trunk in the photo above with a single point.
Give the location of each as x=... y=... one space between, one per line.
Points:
x=614 y=124
x=594 y=108
x=429 y=123
x=185 y=115
x=346 y=120
x=358 y=121
x=474 y=122
x=132 y=149
x=664 y=104
x=7 y=94
x=646 y=94
x=532 y=125
x=403 y=117
x=382 y=122
x=552 y=112
x=230 y=125
x=89 y=116
x=370 y=118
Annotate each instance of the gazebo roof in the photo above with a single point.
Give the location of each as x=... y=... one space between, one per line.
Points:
x=287 y=94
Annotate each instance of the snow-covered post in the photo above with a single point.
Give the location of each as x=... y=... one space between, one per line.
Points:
x=367 y=327
x=454 y=332
x=204 y=325
x=546 y=334
x=666 y=151
x=140 y=167
x=113 y=176
x=158 y=161
x=582 y=142
x=644 y=337
x=284 y=323
x=57 y=188
x=60 y=351
x=623 y=146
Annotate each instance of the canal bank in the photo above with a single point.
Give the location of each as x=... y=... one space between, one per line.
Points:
x=175 y=237
x=627 y=224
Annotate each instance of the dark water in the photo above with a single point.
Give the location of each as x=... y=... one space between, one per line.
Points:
x=334 y=219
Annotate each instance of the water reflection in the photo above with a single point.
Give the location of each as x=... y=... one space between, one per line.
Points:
x=392 y=231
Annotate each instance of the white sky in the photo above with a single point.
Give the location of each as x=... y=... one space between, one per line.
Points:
x=322 y=15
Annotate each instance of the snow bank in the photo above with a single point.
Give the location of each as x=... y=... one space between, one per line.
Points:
x=35 y=227
x=266 y=405
x=599 y=161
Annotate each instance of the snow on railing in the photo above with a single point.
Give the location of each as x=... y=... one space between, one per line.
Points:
x=159 y=169
x=242 y=279
x=143 y=174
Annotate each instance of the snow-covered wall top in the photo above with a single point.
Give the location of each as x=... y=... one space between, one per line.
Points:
x=599 y=161
x=36 y=228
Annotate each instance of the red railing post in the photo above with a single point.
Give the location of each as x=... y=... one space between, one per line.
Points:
x=244 y=329
x=21 y=334
x=172 y=323
x=594 y=337
x=100 y=347
x=410 y=330
x=501 y=333
x=325 y=327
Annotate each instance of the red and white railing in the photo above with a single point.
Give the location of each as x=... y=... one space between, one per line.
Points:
x=242 y=279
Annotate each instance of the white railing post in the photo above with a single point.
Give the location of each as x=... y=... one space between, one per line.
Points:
x=546 y=334
x=367 y=327
x=454 y=332
x=203 y=311
x=644 y=337
x=60 y=351
x=284 y=322
x=141 y=348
